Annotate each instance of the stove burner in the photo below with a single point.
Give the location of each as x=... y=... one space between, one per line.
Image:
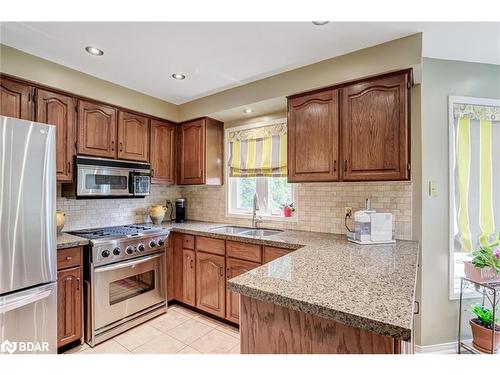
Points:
x=118 y=231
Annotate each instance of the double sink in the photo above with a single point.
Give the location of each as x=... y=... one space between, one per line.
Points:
x=246 y=231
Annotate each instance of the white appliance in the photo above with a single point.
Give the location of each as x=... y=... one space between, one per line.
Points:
x=371 y=227
x=28 y=271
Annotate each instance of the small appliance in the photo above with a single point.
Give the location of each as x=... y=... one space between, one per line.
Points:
x=371 y=227
x=108 y=178
x=180 y=210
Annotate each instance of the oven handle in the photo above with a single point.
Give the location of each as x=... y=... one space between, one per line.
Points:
x=131 y=263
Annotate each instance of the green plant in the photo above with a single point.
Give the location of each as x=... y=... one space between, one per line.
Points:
x=484 y=315
x=488 y=256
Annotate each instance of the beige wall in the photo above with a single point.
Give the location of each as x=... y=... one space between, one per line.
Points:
x=36 y=69
x=393 y=55
x=440 y=79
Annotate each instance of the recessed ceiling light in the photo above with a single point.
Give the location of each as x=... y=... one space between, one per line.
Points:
x=178 y=76
x=94 y=51
x=247 y=110
x=320 y=23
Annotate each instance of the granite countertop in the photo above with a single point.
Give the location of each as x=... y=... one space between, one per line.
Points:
x=366 y=286
x=66 y=240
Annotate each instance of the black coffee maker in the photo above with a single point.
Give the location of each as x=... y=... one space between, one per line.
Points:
x=180 y=210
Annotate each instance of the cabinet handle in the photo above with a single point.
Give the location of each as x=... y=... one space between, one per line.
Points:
x=335 y=165
x=77 y=283
x=69 y=258
x=112 y=145
x=345 y=165
x=221 y=271
x=121 y=147
x=191 y=263
x=69 y=166
x=152 y=172
x=228 y=273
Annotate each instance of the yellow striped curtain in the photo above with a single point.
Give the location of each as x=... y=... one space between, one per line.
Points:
x=477 y=176
x=260 y=152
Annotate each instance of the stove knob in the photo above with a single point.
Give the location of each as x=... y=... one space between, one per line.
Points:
x=152 y=244
x=161 y=242
x=141 y=247
x=105 y=253
x=116 y=251
x=129 y=250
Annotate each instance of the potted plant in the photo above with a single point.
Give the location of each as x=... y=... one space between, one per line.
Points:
x=485 y=264
x=288 y=209
x=482 y=329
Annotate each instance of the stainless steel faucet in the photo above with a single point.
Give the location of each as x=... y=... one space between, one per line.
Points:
x=255 y=218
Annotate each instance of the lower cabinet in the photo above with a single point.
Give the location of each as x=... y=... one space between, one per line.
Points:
x=170 y=270
x=188 y=277
x=69 y=299
x=210 y=283
x=235 y=267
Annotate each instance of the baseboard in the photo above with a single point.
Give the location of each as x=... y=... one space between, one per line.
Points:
x=444 y=348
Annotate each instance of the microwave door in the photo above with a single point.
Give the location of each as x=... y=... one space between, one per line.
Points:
x=102 y=181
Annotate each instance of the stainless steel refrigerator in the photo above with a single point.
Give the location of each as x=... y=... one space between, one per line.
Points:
x=28 y=271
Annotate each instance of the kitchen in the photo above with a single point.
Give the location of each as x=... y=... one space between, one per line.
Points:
x=283 y=218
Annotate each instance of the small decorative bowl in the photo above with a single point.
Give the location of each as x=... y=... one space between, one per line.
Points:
x=60 y=219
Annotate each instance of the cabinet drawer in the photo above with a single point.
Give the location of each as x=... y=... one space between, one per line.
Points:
x=71 y=257
x=245 y=251
x=272 y=253
x=188 y=241
x=210 y=245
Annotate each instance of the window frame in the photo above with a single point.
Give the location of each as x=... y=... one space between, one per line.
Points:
x=452 y=100
x=229 y=198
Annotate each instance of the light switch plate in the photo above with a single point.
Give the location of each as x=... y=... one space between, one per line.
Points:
x=433 y=191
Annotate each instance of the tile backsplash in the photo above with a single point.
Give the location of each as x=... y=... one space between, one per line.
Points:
x=320 y=206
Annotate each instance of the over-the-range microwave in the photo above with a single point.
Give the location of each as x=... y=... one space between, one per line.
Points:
x=108 y=178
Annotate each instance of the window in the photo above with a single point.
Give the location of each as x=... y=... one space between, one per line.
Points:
x=474 y=180
x=257 y=165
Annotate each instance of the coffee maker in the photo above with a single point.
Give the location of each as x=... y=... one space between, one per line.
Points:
x=180 y=210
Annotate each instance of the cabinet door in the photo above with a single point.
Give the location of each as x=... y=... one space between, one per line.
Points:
x=188 y=277
x=15 y=99
x=133 y=137
x=375 y=120
x=313 y=127
x=162 y=152
x=192 y=153
x=170 y=270
x=235 y=267
x=96 y=130
x=69 y=305
x=210 y=283
x=59 y=110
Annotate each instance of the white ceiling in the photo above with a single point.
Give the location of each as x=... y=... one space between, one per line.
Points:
x=218 y=56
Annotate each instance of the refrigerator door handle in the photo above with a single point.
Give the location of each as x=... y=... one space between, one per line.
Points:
x=20 y=302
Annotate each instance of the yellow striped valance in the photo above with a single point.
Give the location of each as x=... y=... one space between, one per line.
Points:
x=262 y=154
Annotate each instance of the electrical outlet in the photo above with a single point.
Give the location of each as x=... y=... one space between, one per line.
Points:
x=348 y=212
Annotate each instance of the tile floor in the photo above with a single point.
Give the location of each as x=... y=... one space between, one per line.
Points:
x=180 y=331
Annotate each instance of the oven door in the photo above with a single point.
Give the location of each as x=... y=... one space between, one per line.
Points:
x=125 y=288
x=102 y=181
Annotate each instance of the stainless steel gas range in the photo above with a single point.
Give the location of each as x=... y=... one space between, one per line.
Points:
x=125 y=278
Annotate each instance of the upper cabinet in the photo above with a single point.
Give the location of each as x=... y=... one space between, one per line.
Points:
x=351 y=132
x=59 y=110
x=162 y=152
x=133 y=137
x=375 y=119
x=16 y=99
x=200 y=154
x=96 y=130
x=313 y=137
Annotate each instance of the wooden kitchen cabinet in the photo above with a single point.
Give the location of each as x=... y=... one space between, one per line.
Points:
x=69 y=296
x=210 y=283
x=59 y=110
x=96 y=130
x=178 y=266
x=313 y=137
x=272 y=253
x=201 y=152
x=188 y=277
x=235 y=267
x=16 y=99
x=162 y=151
x=133 y=137
x=170 y=269
x=375 y=129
